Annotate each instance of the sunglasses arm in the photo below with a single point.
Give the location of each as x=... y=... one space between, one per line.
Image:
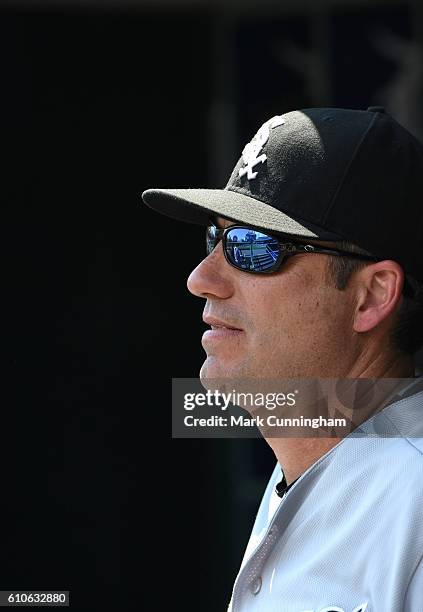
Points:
x=311 y=248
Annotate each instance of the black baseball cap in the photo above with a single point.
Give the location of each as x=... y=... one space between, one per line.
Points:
x=324 y=173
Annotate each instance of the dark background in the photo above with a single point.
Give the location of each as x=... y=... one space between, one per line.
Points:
x=99 y=102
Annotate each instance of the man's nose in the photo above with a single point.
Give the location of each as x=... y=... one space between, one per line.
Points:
x=212 y=276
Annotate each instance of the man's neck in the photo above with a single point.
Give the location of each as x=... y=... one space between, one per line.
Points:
x=374 y=363
x=296 y=455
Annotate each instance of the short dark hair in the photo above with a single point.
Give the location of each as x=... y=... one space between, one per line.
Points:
x=407 y=332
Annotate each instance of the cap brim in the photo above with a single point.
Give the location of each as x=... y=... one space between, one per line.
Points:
x=198 y=205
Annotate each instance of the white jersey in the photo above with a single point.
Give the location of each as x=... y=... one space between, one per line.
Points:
x=348 y=535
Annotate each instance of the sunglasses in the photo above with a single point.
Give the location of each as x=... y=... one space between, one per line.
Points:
x=251 y=250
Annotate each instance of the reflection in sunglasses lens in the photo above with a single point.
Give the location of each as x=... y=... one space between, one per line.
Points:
x=249 y=249
x=210 y=238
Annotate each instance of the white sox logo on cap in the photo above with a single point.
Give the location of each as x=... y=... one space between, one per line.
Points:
x=251 y=151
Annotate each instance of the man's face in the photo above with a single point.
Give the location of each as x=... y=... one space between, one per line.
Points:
x=289 y=324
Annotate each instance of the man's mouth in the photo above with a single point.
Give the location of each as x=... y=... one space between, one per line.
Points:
x=220 y=330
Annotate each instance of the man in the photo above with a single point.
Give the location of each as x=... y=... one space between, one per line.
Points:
x=336 y=195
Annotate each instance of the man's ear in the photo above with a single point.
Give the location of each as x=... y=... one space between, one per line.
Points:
x=379 y=289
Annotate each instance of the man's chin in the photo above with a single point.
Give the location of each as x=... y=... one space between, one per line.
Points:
x=228 y=377
x=214 y=369
x=216 y=375
x=210 y=369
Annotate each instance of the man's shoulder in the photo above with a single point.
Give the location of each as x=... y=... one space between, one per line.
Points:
x=392 y=438
x=400 y=461
x=388 y=456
